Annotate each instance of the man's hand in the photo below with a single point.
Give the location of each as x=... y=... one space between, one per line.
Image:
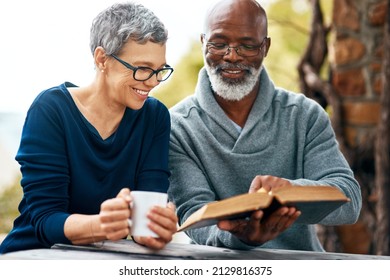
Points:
x=257 y=230
x=268 y=183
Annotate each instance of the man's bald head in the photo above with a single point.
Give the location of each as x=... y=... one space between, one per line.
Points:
x=238 y=12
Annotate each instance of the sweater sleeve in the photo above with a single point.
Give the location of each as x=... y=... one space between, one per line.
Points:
x=45 y=173
x=324 y=164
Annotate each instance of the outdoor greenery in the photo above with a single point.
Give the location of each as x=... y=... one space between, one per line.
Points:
x=9 y=201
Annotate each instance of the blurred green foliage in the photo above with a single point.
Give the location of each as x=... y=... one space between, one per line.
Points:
x=9 y=201
x=183 y=80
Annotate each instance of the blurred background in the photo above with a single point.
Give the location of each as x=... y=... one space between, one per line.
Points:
x=47 y=42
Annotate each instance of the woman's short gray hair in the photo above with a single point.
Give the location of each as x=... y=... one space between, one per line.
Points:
x=114 y=26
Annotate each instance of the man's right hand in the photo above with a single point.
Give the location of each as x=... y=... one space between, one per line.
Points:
x=257 y=231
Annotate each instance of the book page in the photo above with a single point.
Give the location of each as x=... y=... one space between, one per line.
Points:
x=308 y=193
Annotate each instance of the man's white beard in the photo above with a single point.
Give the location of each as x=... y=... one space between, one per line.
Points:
x=229 y=89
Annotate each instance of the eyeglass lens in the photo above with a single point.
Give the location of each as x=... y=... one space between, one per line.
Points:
x=242 y=50
x=143 y=73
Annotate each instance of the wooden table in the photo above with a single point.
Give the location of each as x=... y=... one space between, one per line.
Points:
x=127 y=249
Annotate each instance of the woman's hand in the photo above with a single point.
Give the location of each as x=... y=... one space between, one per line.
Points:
x=163 y=222
x=114 y=215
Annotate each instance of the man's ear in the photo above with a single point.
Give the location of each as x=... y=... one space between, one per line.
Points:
x=267 y=46
x=202 y=37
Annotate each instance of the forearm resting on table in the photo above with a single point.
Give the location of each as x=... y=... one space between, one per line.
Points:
x=83 y=229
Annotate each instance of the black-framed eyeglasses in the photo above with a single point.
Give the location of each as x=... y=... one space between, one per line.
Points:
x=143 y=73
x=244 y=50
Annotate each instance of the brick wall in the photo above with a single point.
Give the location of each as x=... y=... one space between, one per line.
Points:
x=356 y=54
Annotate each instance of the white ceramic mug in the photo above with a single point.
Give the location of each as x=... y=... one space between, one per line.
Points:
x=142 y=202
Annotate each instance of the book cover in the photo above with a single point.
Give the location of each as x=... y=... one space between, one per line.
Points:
x=314 y=202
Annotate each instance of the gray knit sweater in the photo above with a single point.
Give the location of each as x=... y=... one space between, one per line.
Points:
x=286 y=135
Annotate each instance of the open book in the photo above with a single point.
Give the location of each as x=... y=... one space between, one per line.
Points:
x=314 y=202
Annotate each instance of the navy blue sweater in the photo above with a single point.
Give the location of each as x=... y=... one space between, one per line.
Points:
x=68 y=168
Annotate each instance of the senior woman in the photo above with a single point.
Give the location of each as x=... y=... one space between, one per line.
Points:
x=84 y=149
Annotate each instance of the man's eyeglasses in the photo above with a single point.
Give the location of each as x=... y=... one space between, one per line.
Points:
x=244 y=50
x=143 y=73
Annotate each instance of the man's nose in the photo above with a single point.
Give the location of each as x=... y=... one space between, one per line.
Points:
x=232 y=54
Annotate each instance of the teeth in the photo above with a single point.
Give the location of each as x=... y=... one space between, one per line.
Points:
x=141 y=92
x=232 y=72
